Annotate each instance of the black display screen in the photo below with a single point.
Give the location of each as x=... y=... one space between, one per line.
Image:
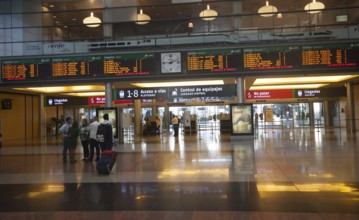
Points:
x=88 y=66
x=26 y=70
x=337 y=55
x=271 y=58
x=225 y=60
x=129 y=64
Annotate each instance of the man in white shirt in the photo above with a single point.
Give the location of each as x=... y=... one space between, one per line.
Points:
x=65 y=137
x=93 y=139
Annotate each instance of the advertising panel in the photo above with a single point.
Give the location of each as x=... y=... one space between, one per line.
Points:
x=112 y=114
x=241 y=119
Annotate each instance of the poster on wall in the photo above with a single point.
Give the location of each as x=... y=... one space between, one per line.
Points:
x=112 y=115
x=268 y=115
x=241 y=119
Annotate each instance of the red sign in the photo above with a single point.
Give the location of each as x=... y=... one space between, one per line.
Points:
x=144 y=101
x=124 y=101
x=269 y=94
x=96 y=100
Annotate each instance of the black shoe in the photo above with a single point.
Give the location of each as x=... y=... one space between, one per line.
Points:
x=97 y=158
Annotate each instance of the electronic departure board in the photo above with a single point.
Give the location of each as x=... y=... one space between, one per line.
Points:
x=269 y=58
x=87 y=66
x=129 y=64
x=335 y=55
x=214 y=60
x=26 y=70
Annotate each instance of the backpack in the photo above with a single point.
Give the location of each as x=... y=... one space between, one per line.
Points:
x=103 y=132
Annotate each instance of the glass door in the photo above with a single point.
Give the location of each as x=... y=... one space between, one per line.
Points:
x=318 y=110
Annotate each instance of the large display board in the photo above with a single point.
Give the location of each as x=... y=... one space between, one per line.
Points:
x=26 y=70
x=225 y=60
x=129 y=64
x=232 y=61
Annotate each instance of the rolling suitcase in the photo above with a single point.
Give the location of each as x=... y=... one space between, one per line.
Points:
x=105 y=163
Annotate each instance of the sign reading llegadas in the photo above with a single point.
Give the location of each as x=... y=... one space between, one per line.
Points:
x=295 y=93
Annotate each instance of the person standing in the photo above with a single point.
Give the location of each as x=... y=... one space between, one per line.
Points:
x=64 y=132
x=175 y=125
x=73 y=134
x=158 y=124
x=93 y=140
x=85 y=140
x=105 y=134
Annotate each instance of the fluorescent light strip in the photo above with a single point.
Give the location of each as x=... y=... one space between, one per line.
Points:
x=285 y=80
x=183 y=83
x=294 y=86
x=82 y=94
x=47 y=89
x=58 y=89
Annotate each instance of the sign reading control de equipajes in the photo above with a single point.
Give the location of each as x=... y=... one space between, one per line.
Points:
x=176 y=92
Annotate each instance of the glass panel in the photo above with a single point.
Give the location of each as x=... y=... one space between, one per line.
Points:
x=318 y=113
x=5 y=6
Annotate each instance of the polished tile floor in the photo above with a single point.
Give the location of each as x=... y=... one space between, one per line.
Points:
x=302 y=173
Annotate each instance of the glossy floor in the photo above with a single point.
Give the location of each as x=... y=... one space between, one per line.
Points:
x=280 y=174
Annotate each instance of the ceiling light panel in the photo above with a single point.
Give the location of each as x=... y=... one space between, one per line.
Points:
x=314 y=79
x=293 y=86
x=183 y=83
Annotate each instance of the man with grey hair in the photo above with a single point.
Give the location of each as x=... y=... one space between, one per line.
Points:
x=65 y=137
x=93 y=139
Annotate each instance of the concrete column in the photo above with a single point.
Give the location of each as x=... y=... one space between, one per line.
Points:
x=42 y=116
x=327 y=119
x=311 y=113
x=108 y=94
x=107 y=27
x=237 y=9
x=350 y=111
x=240 y=88
x=138 y=120
x=154 y=107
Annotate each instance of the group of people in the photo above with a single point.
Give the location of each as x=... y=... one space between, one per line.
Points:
x=152 y=125
x=94 y=137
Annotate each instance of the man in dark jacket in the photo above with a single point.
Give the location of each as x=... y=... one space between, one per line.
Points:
x=104 y=134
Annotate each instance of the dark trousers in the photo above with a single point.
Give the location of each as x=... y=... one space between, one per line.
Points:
x=105 y=146
x=94 y=145
x=175 y=129
x=66 y=148
x=85 y=145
